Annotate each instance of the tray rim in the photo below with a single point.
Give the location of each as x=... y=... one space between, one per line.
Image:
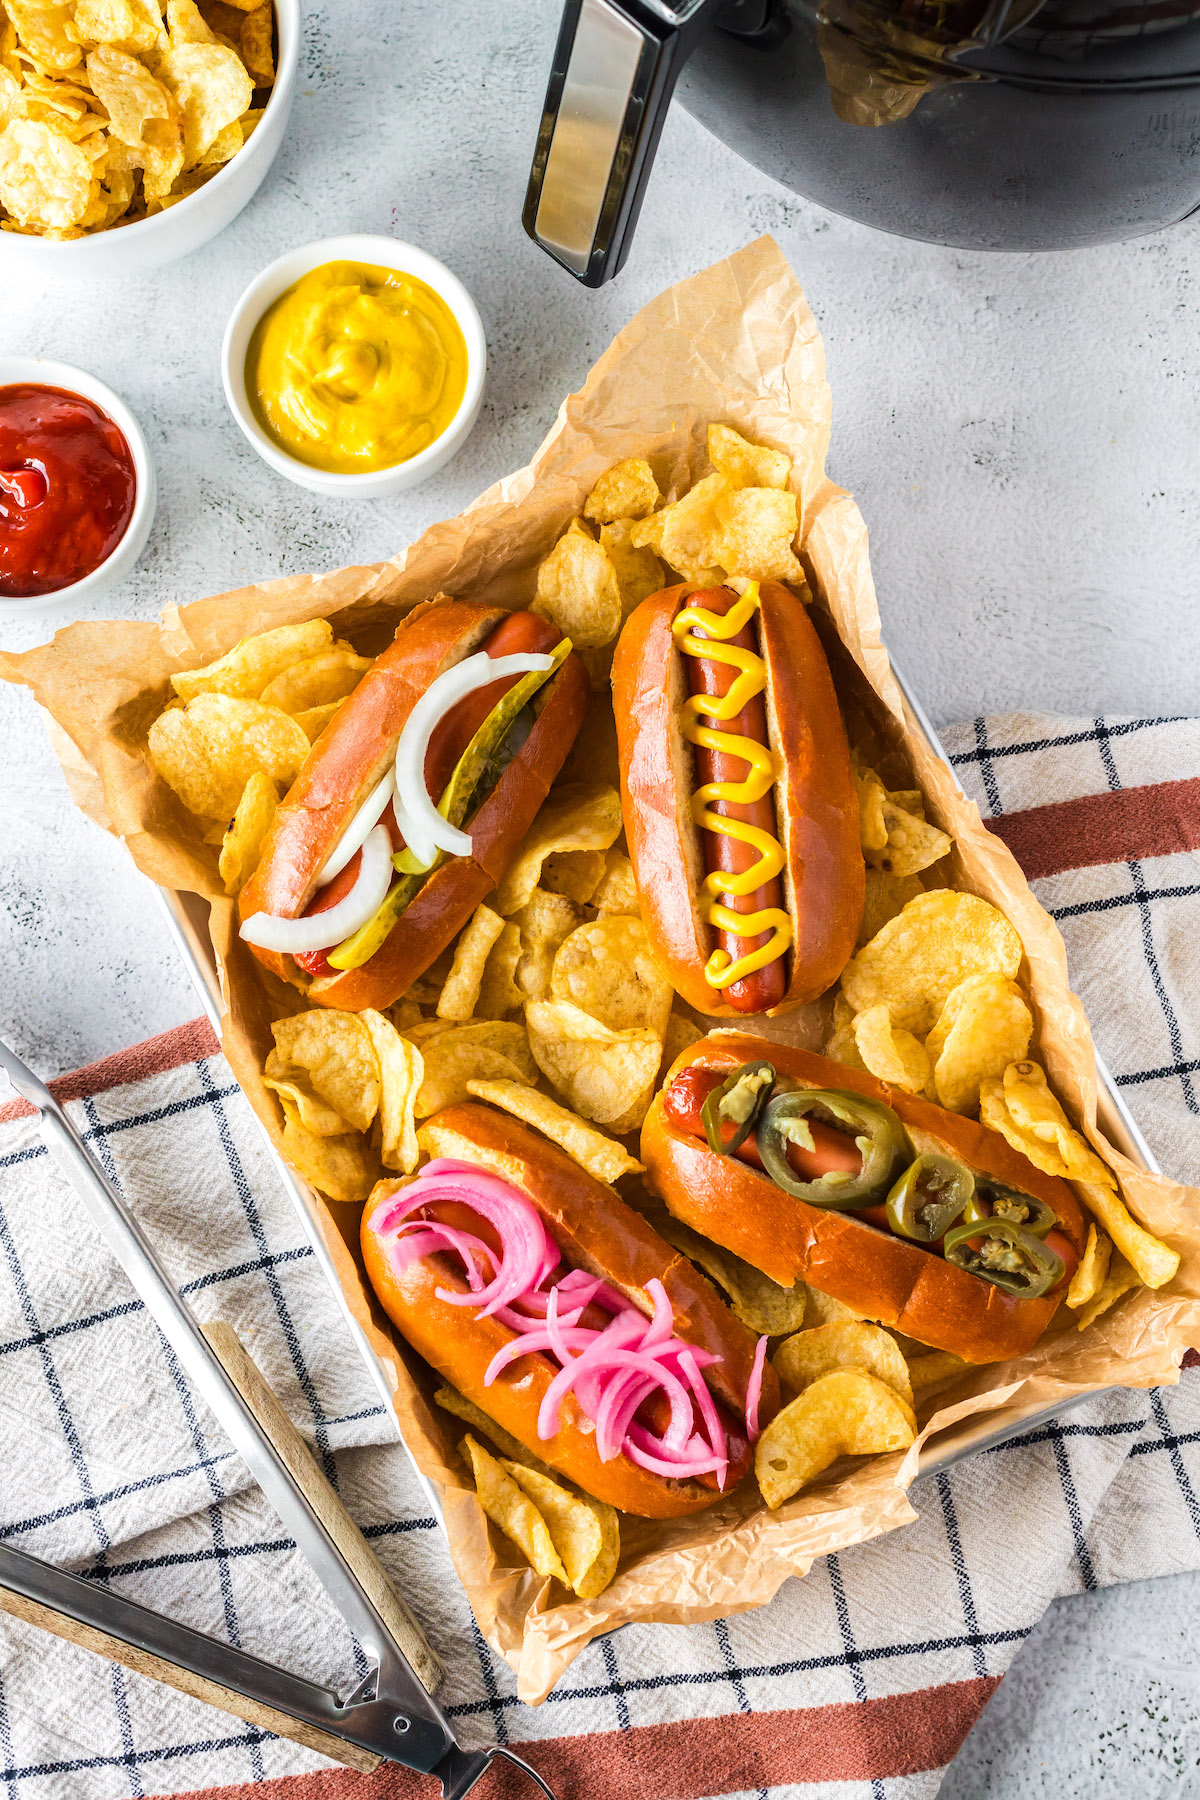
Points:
x=186 y=917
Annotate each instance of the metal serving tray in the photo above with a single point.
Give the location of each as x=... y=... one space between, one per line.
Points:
x=187 y=918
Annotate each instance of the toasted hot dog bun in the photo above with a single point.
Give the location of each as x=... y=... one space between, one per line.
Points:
x=884 y=1277
x=597 y=1232
x=354 y=753
x=815 y=800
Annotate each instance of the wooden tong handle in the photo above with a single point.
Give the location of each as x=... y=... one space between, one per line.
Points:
x=250 y=1383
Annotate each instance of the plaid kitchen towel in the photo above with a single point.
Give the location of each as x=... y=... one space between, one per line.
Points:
x=859 y=1682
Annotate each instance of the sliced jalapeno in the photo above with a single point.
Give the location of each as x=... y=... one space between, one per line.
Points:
x=1006 y=1254
x=738 y=1102
x=1004 y=1202
x=928 y=1197
x=875 y=1129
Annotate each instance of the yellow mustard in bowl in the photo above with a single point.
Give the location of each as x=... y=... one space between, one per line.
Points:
x=356 y=368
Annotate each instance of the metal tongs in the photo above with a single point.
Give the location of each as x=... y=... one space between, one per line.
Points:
x=390 y=1714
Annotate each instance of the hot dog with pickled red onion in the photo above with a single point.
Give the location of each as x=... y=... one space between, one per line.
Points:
x=560 y=1312
x=425 y=903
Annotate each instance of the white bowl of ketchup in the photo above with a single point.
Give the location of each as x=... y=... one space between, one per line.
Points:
x=77 y=489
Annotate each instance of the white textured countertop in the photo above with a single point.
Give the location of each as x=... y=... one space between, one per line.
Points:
x=1022 y=433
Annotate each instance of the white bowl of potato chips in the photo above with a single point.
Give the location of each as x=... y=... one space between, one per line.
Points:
x=132 y=131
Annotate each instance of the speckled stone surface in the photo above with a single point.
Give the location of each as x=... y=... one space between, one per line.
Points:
x=1022 y=435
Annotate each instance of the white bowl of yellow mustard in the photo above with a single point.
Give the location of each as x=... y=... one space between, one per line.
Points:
x=355 y=365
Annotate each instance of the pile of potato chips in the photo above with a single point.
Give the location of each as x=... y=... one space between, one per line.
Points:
x=110 y=112
x=552 y=1005
x=741 y=521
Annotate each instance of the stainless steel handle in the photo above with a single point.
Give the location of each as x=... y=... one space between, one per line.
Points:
x=614 y=70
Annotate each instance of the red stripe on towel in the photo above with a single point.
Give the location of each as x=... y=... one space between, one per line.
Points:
x=690 y=1759
x=170 y=1050
x=1119 y=827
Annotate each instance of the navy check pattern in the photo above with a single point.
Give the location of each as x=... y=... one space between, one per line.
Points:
x=179 y=1528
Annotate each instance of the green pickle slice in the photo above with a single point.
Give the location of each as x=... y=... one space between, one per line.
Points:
x=362 y=944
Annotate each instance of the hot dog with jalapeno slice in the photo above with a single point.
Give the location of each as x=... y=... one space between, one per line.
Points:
x=916 y=1217
x=738 y=798
x=413 y=801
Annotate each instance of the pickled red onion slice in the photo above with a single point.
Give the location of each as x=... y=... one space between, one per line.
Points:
x=754 y=1389
x=613 y=1370
x=295 y=937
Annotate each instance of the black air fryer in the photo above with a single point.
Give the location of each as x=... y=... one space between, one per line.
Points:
x=982 y=124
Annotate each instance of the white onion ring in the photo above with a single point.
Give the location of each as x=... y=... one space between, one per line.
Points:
x=355 y=834
x=294 y=937
x=422 y=826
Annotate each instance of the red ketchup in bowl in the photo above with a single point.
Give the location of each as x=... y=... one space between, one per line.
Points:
x=67 y=488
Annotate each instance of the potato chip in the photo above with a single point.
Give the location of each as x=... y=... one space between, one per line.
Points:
x=886 y=896
x=133 y=97
x=223 y=148
x=575 y=873
x=405 y=1013
x=849 y=1344
x=823 y=1309
x=1120 y=1280
x=208 y=750
x=610 y=970
x=911 y=845
x=243 y=842
x=872 y=826
x=577 y=588
x=461 y=991
x=607 y=1075
x=891 y=1053
x=316 y=681
x=344 y=1168
x=499 y=995
x=931 y=1370
x=617 y=889
x=336 y=1052
x=223 y=19
x=451 y=1401
x=507 y=1506
x=300 y=1101
x=984 y=1025
x=573 y=818
x=746 y=465
x=134 y=26
x=1155 y=1262
x=213 y=88
x=639 y=572
x=680 y=1035
x=313 y=720
x=186 y=24
x=914 y=962
x=46 y=181
x=600 y=1155
x=762 y=1305
x=1089 y=1276
x=1035 y=1108
x=487 y=1050
x=909 y=800
x=626 y=491
x=246 y=669
x=584 y=1532
x=842 y=1046
x=691 y=531
x=47 y=32
x=845 y=1413
x=255 y=45
x=401 y=1071
x=757 y=526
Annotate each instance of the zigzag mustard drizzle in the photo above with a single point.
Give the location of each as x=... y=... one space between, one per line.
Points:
x=721 y=971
